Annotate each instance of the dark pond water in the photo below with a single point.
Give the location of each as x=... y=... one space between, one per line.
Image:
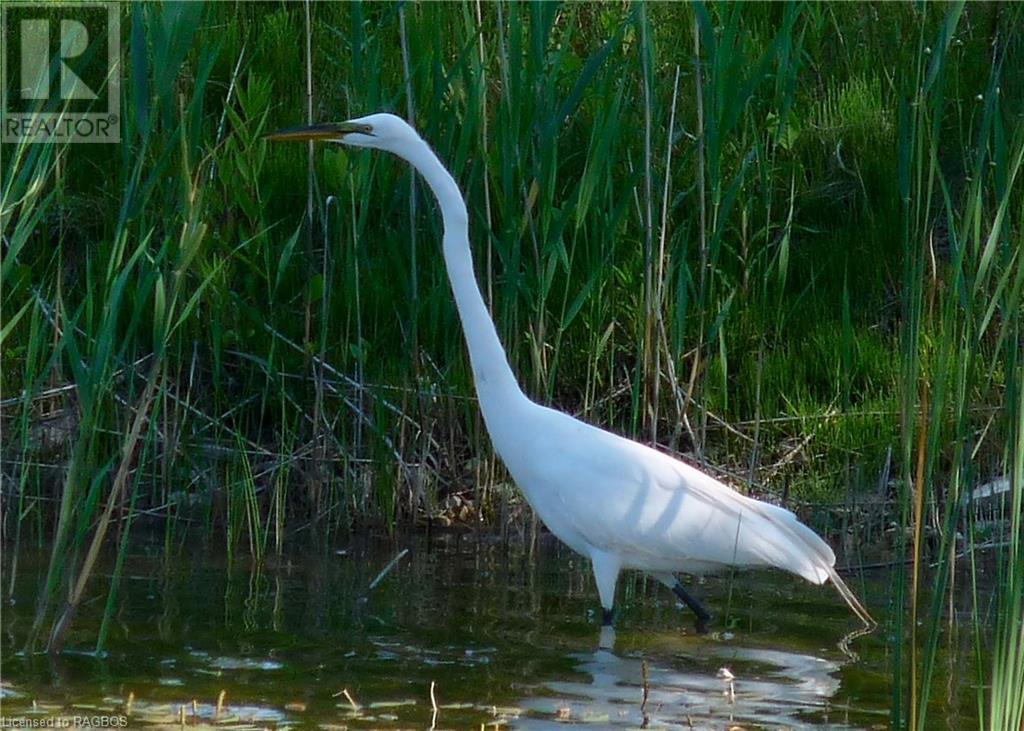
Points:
x=504 y=638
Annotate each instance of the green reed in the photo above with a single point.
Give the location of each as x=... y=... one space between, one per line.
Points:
x=960 y=309
x=767 y=236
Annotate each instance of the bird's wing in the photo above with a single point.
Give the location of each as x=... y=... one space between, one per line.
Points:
x=657 y=512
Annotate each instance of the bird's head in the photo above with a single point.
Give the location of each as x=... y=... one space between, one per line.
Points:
x=379 y=131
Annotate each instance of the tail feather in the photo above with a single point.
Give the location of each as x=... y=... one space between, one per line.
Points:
x=801 y=550
x=823 y=561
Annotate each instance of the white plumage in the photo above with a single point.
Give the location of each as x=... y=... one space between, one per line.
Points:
x=619 y=503
x=627 y=506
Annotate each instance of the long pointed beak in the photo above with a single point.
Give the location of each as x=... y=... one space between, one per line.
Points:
x=319 y=132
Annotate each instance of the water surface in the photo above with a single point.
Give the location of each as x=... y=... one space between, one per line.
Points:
x=503 y=637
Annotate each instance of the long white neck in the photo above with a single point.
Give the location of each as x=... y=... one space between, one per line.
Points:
x=496 y=385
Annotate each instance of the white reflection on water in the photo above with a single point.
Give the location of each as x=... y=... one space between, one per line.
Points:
x=770 y=687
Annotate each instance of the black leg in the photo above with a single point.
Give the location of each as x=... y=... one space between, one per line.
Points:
x=606 y=618
x=700 y=612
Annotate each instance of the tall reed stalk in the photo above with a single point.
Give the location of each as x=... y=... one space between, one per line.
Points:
x=961 y=308
x=769 y=237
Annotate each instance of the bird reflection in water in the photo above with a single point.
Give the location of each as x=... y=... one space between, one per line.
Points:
x=715 y=686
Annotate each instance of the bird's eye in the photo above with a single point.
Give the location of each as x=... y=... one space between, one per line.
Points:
x=366 y=129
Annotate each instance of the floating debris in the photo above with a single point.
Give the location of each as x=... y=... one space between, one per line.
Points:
x=509 y=711
x=236 y=663
x=392 y=704
x=7 y=691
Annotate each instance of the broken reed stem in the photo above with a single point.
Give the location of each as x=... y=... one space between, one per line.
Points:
x=433 y=705
x=384 y=572
x=646 y=688
x=128 y=449
x=349 y=698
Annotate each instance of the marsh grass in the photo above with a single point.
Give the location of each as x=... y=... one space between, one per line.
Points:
x=770 y=237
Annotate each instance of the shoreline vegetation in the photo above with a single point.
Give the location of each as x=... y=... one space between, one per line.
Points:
x=781 y=241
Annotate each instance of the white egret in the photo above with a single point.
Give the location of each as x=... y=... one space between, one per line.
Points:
x=619 y=503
